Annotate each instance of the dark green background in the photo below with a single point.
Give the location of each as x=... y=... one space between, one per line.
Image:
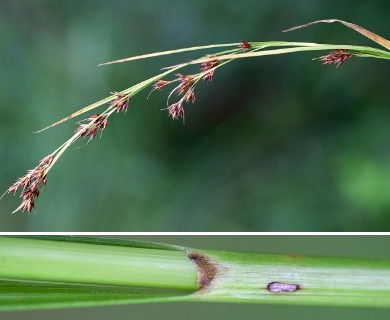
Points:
x=338 y=246
x=272 y=144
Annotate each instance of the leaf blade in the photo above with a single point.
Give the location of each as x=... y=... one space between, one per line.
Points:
x=368 y=34
x=26 y=295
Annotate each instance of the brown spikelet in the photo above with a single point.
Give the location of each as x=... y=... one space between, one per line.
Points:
x=30 y=184
x=244 y=45
x=335 y=57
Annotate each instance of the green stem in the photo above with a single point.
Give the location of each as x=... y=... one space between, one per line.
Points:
x=244 y=277
x=59 y=261
x=43 y=273
x=363 y=51
x=168 y=52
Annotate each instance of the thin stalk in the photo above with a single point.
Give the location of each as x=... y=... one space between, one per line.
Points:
x=168 y=52
x=358 y=50
x=46 y=273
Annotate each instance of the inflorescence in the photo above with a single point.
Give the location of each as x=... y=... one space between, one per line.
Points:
x=32 y=182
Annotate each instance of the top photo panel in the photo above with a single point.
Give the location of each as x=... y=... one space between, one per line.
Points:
x=203 y=116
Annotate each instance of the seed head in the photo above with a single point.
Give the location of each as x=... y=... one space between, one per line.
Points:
x=208 y=68
x=335 y=57
x=176 y=111
x=121 y=102
x=244 y=45
x=186 y=83
x=90 y=129
x=189 y=96
x=30 y=184
x=159 y=84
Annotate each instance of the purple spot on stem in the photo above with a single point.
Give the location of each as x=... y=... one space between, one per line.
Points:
x=277 y=287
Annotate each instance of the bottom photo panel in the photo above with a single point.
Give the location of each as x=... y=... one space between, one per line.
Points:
x=194 y=277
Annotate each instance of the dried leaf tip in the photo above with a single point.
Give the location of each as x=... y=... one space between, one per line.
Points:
x=368 y=34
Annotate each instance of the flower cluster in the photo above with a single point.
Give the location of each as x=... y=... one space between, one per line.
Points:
x=335 y=57
x=208 y=68
x=121 y=102
x=159 y=84
x=35 y=179
x=176 y=111
x=186 y=83
x=244 y=45
x=90 y=129
x=185 y=88
x=31 y=183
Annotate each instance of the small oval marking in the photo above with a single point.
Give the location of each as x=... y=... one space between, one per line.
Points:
x=277 y=287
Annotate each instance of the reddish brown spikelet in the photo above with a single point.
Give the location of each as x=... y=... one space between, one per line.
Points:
x=244 y=45
x=30 y=184
x=185 y=83
x=121 y=102
x=208 y=69
x=159 y=84
x=335 y=57
x=28 y=196
x=91 y=128
x=100 y=121
x=190 y=96
x=176 y=111
x=46 y=160
x=14 y=187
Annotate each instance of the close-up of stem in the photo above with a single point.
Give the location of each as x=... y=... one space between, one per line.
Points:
x=52 y=272
x=31 y=184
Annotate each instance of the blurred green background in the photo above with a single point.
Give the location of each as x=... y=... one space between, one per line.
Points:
x=272 y=144
x=338 y=246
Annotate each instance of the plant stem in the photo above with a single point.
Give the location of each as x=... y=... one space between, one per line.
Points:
x=44 y=273
x=358 y=50
x=59 y=261
x=244 y=277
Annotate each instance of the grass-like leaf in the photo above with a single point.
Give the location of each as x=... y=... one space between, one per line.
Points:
x=370 y=35
x=26 y=295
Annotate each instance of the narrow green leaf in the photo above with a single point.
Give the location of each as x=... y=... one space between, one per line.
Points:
x=168 y=52
x=25 y=295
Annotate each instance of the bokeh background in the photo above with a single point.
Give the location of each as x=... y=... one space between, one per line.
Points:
x=338 y=246
x=272 y=144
